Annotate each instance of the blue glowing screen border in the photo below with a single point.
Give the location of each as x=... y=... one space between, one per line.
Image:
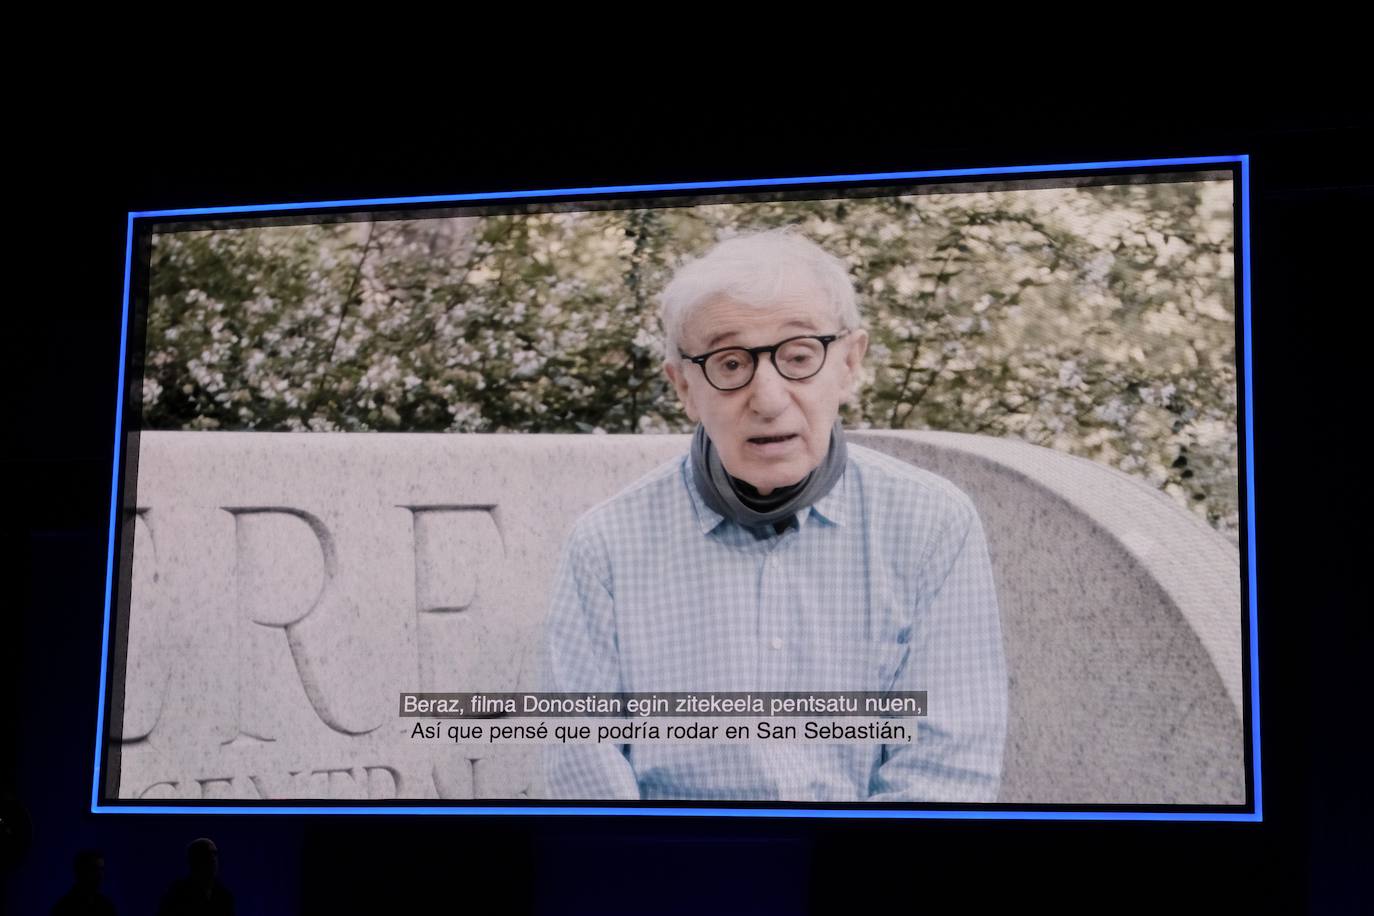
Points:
x=1257 y=815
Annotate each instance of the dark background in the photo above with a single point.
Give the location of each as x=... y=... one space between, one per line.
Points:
x=1311 y=200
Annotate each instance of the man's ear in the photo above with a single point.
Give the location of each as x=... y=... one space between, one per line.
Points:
x=853 y=360
x=676 y=374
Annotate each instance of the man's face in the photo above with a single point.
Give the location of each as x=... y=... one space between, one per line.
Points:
x=774 y=431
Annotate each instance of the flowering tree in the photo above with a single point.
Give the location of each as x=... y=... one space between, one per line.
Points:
x=1097 y=320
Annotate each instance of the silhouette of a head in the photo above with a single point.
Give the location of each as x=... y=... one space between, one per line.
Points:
x=203 y=857
x=89 y=866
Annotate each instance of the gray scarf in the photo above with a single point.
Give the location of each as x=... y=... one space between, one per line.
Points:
x=739 y=502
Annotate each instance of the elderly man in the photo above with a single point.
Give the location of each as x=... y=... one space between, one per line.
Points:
x=774 y=557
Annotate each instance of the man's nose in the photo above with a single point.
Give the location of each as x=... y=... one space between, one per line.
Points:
x=768 y=394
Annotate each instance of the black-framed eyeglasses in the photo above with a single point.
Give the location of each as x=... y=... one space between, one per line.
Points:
x=796 y=358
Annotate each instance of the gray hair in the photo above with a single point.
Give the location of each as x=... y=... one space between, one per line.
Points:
x=758 y=270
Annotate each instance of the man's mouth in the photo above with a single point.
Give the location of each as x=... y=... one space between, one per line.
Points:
x=771 y=440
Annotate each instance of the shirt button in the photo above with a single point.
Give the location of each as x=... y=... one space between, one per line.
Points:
x=776 y=643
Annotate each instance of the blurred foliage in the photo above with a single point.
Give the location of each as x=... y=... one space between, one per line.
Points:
x=1099 y=321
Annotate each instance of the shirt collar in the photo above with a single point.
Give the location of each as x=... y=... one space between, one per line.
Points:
x=833 y=506
x=707 y=518
x=830 y=508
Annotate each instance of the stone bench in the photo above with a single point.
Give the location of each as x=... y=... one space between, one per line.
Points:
x=286 y=588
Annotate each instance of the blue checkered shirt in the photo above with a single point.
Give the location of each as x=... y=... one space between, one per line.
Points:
x=883 y=584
